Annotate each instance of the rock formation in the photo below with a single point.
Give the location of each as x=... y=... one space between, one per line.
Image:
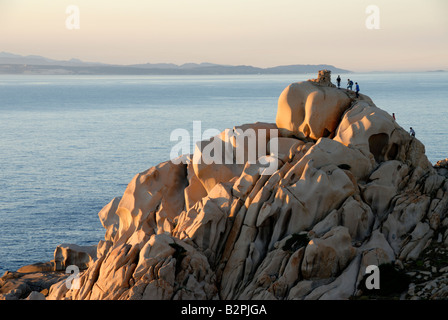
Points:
x=351 y=188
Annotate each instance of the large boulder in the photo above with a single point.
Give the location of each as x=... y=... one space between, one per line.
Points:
x=222 y=157
x=311 y=109
x=328 y=256
x=153 y=199
x=376 y=134
x=68 y=254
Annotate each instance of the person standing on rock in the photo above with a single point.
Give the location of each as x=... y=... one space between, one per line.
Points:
x=357 y=89
x=412 y=132
x=349 y=84
x=338 y=80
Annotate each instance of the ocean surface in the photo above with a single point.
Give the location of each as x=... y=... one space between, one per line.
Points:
x=69 y=144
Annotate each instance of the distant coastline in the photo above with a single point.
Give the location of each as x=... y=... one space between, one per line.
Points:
x=178 y=70
x=37 y=65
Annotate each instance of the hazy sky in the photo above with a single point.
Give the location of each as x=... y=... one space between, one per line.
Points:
x=413 y=35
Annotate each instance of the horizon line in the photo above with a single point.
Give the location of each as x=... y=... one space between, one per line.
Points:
x=355 y=70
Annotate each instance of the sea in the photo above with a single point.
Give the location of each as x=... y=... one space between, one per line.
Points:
x=69 y=143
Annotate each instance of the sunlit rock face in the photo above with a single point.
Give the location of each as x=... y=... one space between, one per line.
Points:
x=351 y=188
x=311 y=109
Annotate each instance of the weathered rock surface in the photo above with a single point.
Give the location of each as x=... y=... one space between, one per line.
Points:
x=311 y=109
x=67 y=254
x=31 y=281
x=351 y=188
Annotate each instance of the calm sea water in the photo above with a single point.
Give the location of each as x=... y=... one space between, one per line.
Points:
x=69 y=144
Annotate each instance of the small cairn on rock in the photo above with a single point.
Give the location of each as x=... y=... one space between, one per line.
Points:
x=323 y=79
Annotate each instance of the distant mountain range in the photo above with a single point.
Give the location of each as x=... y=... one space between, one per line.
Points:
x=16 y=64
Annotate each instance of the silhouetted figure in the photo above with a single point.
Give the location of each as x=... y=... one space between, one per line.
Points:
x=412 y=132
x=393 y=115
x=357 y=89
x=338 y=80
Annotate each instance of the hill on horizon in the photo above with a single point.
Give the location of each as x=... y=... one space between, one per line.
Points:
x=33 y=64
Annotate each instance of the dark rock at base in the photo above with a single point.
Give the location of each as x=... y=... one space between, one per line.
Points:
x=36 y=277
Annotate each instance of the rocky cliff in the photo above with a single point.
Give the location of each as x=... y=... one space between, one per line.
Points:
x=350 y=188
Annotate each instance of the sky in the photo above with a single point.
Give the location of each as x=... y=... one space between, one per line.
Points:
x=400 y=35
